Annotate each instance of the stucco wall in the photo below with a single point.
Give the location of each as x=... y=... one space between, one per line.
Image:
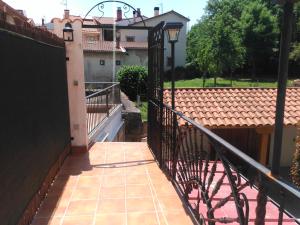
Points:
x=180 y=47
x=288 y=145
x=136 y=57
x=76 y=86
x=93 y=71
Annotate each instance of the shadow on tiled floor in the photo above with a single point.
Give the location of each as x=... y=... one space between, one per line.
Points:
x=115 y=183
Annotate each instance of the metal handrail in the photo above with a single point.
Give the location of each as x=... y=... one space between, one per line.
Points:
x=258 y=166
x=190 y=154
x=100 y=104
x=102 y=90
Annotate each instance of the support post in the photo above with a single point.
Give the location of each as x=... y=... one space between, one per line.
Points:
x=173 y=107
x=282 y=82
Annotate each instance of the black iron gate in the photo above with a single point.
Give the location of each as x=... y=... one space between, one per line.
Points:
x=155 y=89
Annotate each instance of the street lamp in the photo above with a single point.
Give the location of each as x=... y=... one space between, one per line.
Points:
x=68 y=32
x=173 y=30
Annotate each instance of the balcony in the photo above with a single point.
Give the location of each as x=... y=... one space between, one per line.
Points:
x=219 y=183
x=115 y=183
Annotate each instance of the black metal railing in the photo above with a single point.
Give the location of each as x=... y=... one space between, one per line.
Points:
x=101 y=100
x=220 y=183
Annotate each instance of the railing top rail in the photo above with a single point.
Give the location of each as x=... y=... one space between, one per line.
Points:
x=259 y=167
x=102 y=82
x=102 y=90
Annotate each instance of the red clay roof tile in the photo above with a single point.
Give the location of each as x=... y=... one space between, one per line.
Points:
x=242 y=107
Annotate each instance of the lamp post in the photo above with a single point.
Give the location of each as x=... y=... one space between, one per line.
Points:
x=68 y=32
x=173 y=30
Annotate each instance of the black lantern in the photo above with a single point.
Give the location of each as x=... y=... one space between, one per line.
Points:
x=173 y=30
x=68 y=32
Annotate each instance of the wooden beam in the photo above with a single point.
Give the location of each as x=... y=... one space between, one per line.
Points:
x=265 y=133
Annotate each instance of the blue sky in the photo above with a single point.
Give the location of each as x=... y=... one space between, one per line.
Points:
x=48 y=9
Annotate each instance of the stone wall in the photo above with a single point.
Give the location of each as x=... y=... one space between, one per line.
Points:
x=133 y=120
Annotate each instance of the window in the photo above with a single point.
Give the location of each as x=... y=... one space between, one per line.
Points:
x=91 y=39
x=118 y=62
x=169 y=61
x=130 y=38
x=108 y=35
x=102 y=62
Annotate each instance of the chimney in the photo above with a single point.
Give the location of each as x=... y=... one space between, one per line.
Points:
x=119 y=14
x=138 y=12
x=66 y=14
x=134 y=16
x=156 y=11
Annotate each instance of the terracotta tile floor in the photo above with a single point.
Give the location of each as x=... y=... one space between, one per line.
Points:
x=115 y=183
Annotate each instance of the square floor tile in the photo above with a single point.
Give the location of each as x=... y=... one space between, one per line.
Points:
x=140 y=205
x=81 y=207
x=113 y=181
x=86 y=193
x=141 y=190
x=113 y=192
x=78 y=220
x=88 y=182
x=142 y=218
x=111 y=219
x=111 y=206
x=136 y=179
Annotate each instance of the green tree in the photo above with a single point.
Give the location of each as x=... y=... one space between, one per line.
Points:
x=295 y=53
x=260 y=28
x=215 y=43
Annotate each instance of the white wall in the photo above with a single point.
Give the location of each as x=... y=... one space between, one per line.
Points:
x=180 y=46
x=288 y=146
x=93 y=71
x=76 y=86
x=136 y=57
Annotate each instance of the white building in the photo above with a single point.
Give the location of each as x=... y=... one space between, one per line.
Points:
x=103 y=57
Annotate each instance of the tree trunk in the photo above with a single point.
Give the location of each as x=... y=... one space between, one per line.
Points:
x=231 y=79
x=215 y=80
x=253 y=75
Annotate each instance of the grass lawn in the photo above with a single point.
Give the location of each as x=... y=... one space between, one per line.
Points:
x=144 y=110
x=222 y=82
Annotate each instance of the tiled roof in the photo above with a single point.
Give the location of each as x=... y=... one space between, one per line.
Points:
x=90 y=30
x=134 y=45
x=100 y=46
x=235 y=107
x=108 y=46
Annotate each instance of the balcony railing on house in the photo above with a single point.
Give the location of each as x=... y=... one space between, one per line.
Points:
x=101 y=100
x=220 y=183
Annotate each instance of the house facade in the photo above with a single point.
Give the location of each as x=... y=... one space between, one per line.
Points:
x=103 y=56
